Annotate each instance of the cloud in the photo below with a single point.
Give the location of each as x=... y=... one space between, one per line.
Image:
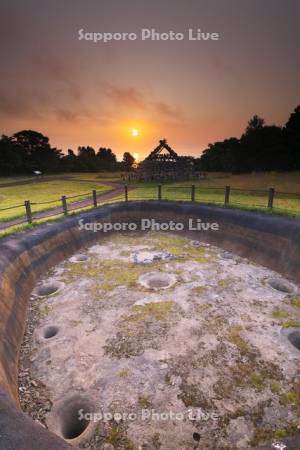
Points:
x=18 y=104
x=127 y=97
x=62 y=97
x=59 y=72
x=169 y=112
x=59 y=95
x=130 y=97
x=35 y=105
x=64 y=114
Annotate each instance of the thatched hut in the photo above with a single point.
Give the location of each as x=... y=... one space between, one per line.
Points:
x=164 y=163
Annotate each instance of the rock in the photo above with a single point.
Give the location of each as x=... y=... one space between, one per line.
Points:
x=274 y=415
x=164 y=366
x=40 y=423
x=239 y=432
x=108 y=447
x=148 y=257
x=227 y=255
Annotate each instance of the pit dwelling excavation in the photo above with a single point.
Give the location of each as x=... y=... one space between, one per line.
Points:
x=159 y=341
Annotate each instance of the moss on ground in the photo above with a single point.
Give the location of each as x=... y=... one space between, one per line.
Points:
x=114 y=276
x=145 y=325
x=286 y=319
x=156 y=311
x=192 y=396
x=182 y=248
x=109 y=273
x=234 y=336
x=264 y=434
x=224 y=283
x=213 y=324
x=45 y=311
x=295 y=301
x=292 y=396
x=275 y=387
x=291 y=323
x=278 y=313
x=124 y=373
x=281 y=314
x=74 y=323
x=251 y=373
x=117 y=437
x=244 y=373
x=198 y=290
x=144 y=403
x=199 y=309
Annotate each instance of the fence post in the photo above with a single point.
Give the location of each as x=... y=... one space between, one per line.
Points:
x=227 y=195
x=28 y=211
x=126 y=192
x=64 y=205
x=159 y=192
x=95 y=198
x=271 y=197
x=193 y=193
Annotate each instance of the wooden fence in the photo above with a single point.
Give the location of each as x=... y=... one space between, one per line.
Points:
x=225 y=197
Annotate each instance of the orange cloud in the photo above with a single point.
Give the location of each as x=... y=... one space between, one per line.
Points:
x=127 y=97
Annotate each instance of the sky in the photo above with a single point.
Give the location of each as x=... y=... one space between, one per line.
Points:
x=78 y=92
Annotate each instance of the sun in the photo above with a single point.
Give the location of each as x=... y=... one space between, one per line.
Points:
x=135 y=132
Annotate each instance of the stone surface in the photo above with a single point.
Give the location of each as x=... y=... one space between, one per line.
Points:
x=27 y=255
x=239 y=432
x=210 y=344
x=148 y=257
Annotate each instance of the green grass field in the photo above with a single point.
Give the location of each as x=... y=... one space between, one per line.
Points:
x=281 y=181
x=208 y=190
x=47 y=194
x=248 y=191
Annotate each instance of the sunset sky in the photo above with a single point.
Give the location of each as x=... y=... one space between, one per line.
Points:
x=190 y=92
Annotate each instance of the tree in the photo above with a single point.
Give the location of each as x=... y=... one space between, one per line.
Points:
x=106 y=159
x=256 y=123
x=221 y=156
x=128 y=161
x=36 y=150
x=293 y=124
x=69 y=161
x=292 y=135
x=11 y=158
x=87 y=161
x=261 y=147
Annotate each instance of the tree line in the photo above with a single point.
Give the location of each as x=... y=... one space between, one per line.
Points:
x=260 y=148
x=28 y=151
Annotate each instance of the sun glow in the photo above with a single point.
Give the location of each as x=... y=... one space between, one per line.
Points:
x=135 y=132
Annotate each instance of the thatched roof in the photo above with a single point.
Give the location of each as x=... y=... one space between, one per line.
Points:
x=157 y=152
x=163 y=162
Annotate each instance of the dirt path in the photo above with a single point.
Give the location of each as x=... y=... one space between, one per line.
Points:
x=118 y=189
x=21 y=181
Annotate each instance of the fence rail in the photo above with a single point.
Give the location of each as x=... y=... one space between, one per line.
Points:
x=269 y=200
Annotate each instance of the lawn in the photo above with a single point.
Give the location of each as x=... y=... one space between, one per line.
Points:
x=98 y=176
x=281 y=181
x=249 y=191
x=47 y=194
x=9 y=180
